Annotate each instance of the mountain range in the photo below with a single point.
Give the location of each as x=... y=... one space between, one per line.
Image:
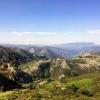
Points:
x=66 y=51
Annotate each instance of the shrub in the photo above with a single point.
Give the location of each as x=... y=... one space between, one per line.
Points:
x=49 y=80
x=73 y=88
x=87 y=93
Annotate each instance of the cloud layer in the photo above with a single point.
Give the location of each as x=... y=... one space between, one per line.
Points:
x=48 y=38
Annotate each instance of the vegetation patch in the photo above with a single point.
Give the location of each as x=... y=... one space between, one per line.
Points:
x=83 y=83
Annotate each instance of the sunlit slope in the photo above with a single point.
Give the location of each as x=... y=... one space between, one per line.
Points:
x=57 y=68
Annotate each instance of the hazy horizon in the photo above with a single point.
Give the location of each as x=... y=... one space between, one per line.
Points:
x=60 y=44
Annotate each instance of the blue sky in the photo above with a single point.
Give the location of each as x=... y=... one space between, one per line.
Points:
x=49 y=21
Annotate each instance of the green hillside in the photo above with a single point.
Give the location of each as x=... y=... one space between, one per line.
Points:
x=83 y=87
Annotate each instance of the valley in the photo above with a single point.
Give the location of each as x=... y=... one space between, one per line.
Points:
x=43 y=73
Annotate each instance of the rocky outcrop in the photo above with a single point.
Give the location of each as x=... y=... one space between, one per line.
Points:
x=7 y=84
x=14 y=56
x=14 y=74
x=57 y=68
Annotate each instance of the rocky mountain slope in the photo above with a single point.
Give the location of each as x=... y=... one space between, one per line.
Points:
x=10 y=74
x=57 y=68
x=14 y=55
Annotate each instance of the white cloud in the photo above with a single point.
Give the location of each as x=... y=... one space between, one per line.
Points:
x=46 y=33
x=94 y=31
x=31 y=33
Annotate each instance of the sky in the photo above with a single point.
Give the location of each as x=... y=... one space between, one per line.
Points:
x=46 y=22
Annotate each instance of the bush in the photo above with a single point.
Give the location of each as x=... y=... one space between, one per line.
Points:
x=73 y=88
x=49 y=80
x=87 y=93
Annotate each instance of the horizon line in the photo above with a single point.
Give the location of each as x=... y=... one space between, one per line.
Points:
x=49 y=44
